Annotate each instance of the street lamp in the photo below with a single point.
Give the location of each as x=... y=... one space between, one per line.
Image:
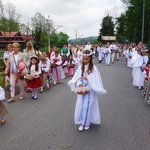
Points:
x=50 y=31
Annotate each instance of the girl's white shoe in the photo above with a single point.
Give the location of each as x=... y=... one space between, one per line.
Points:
x=86 y=128
x=81 y=128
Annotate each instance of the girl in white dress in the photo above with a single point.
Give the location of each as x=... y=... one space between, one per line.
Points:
x=137 y=72
x=56 y=68
x=87 y=107
x=100 y=53
x=107 y=53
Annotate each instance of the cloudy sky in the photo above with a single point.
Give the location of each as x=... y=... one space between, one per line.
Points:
x=81 y=17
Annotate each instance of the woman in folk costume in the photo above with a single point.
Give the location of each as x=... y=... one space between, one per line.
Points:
x=56 y=68
x=6 y=79
x=71 y=66
x=45 y=68
x=146 y=89
x=52 y=51
x=137 y=71
x=87 y=107
x=100 y=53
x=13 y=64
x=35 y=71
x=107 y=53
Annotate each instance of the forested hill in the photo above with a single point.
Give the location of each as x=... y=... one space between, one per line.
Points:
x=84 y=40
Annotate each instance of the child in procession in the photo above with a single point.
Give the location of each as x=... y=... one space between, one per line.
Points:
x=45 y=68
x=71 y=66
x=107 y=53
x=64 y=65
x=35 y=71
x=56 y=68
x=87 y=107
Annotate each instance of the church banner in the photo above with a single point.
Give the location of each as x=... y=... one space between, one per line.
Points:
x=108 y=38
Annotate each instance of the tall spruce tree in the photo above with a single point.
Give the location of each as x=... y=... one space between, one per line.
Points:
x=107 y=27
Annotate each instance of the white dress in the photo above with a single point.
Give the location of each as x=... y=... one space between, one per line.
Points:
x=87 y=107
x=107 y=53
x=100 y=53
x=137 y=74
x=57 y=72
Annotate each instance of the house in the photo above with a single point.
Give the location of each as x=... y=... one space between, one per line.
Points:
x=11 y=37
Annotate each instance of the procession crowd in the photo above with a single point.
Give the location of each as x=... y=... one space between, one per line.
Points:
x=36 y=71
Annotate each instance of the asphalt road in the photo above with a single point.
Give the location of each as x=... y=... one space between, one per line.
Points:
x=48 y=124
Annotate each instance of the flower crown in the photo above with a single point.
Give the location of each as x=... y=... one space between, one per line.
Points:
x=91 y=53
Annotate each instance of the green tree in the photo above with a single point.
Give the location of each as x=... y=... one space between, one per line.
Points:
x=63 y=38
x=107 y=27
x=133 y=20
x=41 y=28
x=9 y=19
x=121 y=29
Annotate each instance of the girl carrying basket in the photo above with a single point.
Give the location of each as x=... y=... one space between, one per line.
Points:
x=87 y=108
x=35 y=72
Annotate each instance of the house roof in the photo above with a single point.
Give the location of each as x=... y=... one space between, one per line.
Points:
x=8 y=34
x=27 y=37
x=14 y=34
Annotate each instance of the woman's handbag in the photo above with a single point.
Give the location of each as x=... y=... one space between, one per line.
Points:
x=19 y=72
x=19 y=75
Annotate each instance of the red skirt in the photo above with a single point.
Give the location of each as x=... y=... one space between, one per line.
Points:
x=35 y=83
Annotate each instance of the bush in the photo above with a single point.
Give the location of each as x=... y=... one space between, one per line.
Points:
x=1 y=59
x=1 y=79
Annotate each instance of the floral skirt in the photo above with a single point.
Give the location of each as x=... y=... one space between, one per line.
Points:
x=146 y=90
x=35 y=83
x=3 y=110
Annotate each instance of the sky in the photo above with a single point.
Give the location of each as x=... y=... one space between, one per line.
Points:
x=77 y=18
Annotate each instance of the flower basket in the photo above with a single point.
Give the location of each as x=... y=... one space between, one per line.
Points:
x=70 y=65
x=53 y=65
x=82 y=90
x=28 y=77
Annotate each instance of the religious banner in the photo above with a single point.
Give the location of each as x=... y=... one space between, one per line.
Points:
x=108 y=38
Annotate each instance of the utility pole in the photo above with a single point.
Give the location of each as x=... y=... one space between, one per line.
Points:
x=142 y=40
x=76 y=35
x=50 y=30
